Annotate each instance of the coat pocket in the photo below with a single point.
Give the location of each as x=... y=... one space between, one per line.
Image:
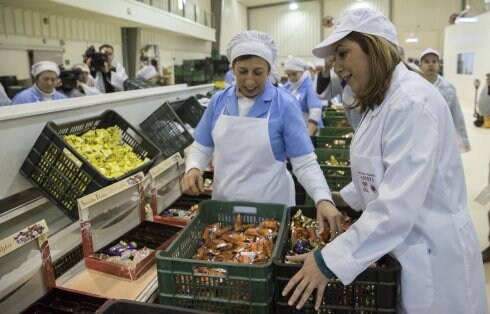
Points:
x=417 y=283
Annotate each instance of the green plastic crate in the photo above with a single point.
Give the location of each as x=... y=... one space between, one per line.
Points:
x=337 y=131
x=324 y=155
x=336 y=121
x=244 y=288
x=335 y=141
x=333 y=113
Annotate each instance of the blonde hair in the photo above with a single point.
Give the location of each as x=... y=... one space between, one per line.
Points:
x=383 y=57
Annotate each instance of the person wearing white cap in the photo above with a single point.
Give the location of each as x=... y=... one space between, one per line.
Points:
x=250 y=129
x=429 y=65
x=149 y=73
x=45 y=74
x=407 y=178
x=301 y=87
x=85 y=82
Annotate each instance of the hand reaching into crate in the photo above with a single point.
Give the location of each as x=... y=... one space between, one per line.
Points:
x=192 y=182
x=326 y=211
x=306 y=280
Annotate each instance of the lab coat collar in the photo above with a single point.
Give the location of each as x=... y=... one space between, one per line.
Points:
x=261 y=105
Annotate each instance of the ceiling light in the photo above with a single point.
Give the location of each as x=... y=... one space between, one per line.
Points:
x=466 y=19
x=293 y=6
x=412 y=39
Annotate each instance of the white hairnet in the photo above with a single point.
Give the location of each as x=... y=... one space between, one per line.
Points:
x=42 y=66
x=146 y=72
x=81 y=66
x=252 y=43
x=296 y=64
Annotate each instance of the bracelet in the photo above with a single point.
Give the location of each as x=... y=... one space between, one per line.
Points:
x=321 y=264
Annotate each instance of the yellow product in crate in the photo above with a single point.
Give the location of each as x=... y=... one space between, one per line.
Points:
x=106 y=151
x=219 y=84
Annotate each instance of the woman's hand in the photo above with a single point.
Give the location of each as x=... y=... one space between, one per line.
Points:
x=327 y=211
x=307 y=279
x=327 y=67
x=191 y=183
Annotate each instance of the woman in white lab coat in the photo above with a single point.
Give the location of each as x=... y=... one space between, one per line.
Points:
x=407 y=177
x=249 y=129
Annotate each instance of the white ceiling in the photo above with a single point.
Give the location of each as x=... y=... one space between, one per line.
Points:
x=253 y=3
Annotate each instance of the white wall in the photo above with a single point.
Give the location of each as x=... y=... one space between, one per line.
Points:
x=233 y=20
x=467 y=37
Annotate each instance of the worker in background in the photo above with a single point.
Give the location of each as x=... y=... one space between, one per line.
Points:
x=413 y=63
x=85 y=81
x=429 y=65
x=250 y=129
x=300 y=87
x=45 y=74
x=4 y=99
x=109 y=75
x=484 y=103
x=312 y=70
x=407 y=178
x=328 y=85
x=148 y=73
x=229 y=77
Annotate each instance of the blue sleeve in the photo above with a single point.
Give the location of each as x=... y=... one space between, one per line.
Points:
x=296 y=138
x=22 y=98
x=202 y=133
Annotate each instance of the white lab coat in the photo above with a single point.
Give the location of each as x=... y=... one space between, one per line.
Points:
x=117 y=78
x=408 y=179
x=448 y=91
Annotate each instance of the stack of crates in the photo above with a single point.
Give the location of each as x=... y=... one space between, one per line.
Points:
x=332 y=146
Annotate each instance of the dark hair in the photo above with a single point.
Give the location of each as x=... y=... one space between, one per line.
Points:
x=106 y=46
x=246 y=57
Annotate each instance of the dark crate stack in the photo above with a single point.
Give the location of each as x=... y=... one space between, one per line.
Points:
x=376 y=290
x=189 y=111
x=133 y=307
x=166 y=130
x=63 y=175
x=245 y=288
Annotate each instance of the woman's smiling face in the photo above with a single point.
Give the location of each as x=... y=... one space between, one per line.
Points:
x=251 y=76
x=352 y=64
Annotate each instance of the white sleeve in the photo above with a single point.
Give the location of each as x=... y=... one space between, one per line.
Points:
x=351 y=196
x=89 y=90
x=315 y=114
x=333 y=88
x=118 y=77
x=310 y=176
x=199 y=157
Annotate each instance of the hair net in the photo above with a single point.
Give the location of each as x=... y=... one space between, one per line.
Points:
x=146 y=72
x=252 y=43
x=81 y=66
x=43 y=66
x=296 y=64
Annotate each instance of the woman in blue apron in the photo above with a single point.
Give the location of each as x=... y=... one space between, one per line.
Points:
x=249 y=130
x=407 y=178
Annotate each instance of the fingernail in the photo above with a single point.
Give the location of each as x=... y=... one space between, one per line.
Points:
x=290 y=303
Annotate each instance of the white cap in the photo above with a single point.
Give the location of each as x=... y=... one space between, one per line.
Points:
x=81 y=66
x=146 y=72
x=252 y=43
x=296 y=64
x=43 y=66
x=319 y=63
x=362 y=20
x=429 y=51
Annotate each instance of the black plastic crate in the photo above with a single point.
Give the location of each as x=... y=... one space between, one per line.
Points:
x=376 y=290
x=189 y=111
x=63 y=175
x=133 y=307
x=64 y=301
x=67 y=261
x=167 y=131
